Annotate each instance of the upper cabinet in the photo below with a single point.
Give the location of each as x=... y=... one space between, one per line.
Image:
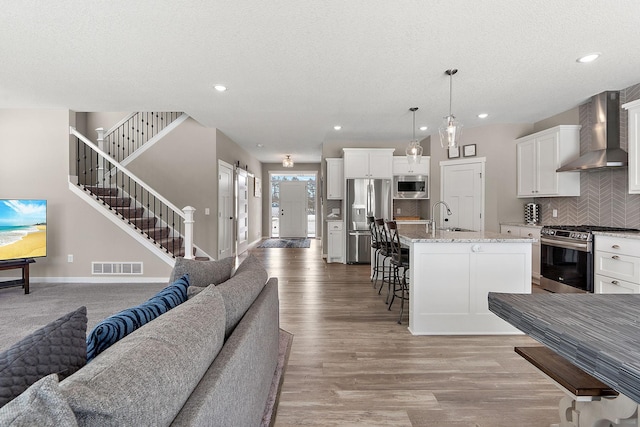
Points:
x=401 y=166
x=335 y=178
x=538 y=157
x=368 y=162
x=633 y=109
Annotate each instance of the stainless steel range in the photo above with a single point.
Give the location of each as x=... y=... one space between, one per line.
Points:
x=566 y=258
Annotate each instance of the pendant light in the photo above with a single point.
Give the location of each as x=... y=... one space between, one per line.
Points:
x=451 y=129
x=414 y=149
x=287 y=162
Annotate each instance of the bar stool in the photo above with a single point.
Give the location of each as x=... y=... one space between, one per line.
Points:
x=375 y=244
x=399 y=260
x=385 y=253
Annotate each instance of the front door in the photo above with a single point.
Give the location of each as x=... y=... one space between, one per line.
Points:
x=225 y=210
x=462 y=188
x=293 y=209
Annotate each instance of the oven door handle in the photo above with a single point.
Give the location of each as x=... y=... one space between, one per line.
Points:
x=582 y=247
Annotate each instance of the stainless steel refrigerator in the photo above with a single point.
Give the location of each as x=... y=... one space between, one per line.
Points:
x=365 y=197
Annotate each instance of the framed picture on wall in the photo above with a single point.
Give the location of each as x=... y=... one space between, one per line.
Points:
x=453 y=152
x=257 y=187
x=469 y=150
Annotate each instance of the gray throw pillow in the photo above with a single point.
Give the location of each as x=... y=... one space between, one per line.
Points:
x=203 y=273
x=41 y=405
x=57 y=348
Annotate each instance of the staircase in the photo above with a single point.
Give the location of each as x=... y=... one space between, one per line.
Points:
x=132 y=204
x=139 y=217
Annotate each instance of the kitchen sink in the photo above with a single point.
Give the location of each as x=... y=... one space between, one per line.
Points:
x=455 y=229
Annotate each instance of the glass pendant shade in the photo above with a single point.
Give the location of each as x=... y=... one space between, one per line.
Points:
x=414 y=152
x=414 y=149
x=450 y=132
x=287 y=162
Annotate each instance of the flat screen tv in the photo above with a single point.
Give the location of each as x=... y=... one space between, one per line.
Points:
x=23 y=229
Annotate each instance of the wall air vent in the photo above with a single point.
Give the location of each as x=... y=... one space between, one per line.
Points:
x=116 y=268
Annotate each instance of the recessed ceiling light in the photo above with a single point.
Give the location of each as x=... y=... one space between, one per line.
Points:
x=259 y=145
x=588 y=58
x=337 y=127
x=423 y=128
x=483 y=115
x=220 y=88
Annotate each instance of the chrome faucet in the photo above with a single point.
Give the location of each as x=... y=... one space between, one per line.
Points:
x=433 y=213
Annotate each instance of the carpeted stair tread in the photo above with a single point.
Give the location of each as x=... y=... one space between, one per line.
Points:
x=157 y=232
x=129 y=212
x=144 y=223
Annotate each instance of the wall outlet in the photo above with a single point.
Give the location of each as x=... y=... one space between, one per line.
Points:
x=207 y=211
x=70 y=258
x=554 y=213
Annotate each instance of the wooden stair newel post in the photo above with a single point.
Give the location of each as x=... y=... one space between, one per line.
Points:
x=188 y=231
x=101 y=165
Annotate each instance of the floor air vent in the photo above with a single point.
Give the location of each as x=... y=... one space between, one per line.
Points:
x=119 y=268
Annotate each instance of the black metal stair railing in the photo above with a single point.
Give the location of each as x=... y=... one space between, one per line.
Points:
x=129 y=197
x=135 y=131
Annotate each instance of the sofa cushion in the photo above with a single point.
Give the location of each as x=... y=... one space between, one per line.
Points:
x=114 y=328
x=146 y=377
x=57 y=348
x=241 y=290
x=41 y=405
x=203 y=273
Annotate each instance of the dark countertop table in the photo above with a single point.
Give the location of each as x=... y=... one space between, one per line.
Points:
x=599 y=333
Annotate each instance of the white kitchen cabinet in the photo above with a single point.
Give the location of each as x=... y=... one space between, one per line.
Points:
x=617 y=265
x=368 y=162
x=335 y=179
x=450 y=283
x=335 y=241
x=401 y=166
x=540 y=154
x=633 y=109
x=527 y=231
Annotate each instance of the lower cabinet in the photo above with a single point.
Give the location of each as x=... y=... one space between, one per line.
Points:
x=532 y=232
x=335 y=241
x=616 y=265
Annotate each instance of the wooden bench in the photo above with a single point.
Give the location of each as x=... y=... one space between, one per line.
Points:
x=579 y=384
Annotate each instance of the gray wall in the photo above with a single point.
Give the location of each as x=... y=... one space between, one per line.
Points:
x=35 y=164
x=604 y=198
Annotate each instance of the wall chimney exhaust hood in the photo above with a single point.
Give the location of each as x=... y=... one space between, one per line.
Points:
x=605 y=151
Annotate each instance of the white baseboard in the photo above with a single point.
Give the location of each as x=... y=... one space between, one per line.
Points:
x=94 y=279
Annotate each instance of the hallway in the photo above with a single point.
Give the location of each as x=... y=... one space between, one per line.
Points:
x=352 y=364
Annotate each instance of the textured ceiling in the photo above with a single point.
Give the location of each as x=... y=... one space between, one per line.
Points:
x=295 y=69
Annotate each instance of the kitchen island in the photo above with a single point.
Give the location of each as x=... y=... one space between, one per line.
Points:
x=452 y=273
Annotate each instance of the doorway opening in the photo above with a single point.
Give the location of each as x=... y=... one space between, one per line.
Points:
x=275 y=179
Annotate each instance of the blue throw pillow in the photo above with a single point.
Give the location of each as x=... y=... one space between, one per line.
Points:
x=118 y=326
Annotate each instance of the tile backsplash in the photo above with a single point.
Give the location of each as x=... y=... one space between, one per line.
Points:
x=604 y=198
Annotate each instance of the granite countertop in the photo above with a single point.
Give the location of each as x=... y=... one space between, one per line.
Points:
x=418 y=234
x=621 y=234
x=599 y=333
x=521 y=224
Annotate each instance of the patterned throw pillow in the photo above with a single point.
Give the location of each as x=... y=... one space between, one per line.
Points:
x=118 y=326
x=57 y=348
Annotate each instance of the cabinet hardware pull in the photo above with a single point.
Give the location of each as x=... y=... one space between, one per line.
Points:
x=530 y=235
x=615 y=247
x=508 y=231
x=614 y=282
x=615 y=257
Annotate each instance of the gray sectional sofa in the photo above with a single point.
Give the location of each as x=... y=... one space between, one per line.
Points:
x=209 y=361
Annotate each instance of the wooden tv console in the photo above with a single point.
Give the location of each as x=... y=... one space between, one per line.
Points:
x=19 y=263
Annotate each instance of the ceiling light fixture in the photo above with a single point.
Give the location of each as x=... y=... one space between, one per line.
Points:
x=483 y=115
x=287 y=162
x=414 y=149
x=220 y=88
x=588 y=58
x=451 y=129
x=423 y=128
x=337 y=127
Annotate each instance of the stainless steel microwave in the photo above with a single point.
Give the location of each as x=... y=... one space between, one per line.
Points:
x=411 y=187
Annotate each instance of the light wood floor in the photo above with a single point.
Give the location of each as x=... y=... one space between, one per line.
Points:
x=352 y=364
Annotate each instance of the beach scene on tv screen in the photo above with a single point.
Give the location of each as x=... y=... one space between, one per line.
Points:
x=23 y=229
